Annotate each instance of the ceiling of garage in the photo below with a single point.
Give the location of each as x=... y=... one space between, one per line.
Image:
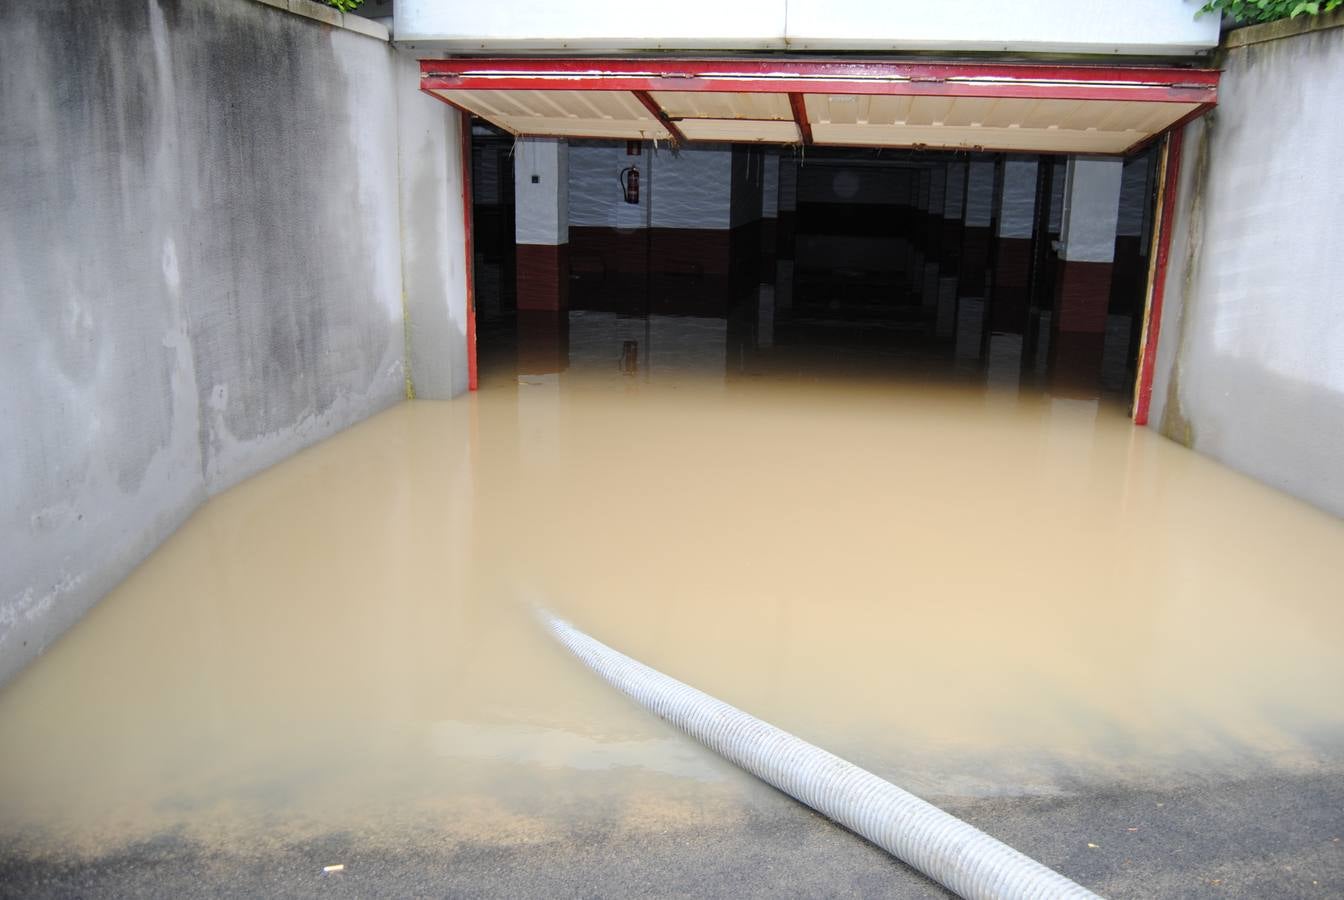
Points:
x=1052 y=109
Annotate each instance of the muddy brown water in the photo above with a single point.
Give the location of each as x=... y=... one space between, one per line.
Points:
x=971 y=590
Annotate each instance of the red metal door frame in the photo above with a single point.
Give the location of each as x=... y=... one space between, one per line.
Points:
x=470 y=262
x=1157 y=273
x=798 y=77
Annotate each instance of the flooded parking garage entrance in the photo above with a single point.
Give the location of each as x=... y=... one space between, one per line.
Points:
x=1113 y=653
x=811 y=449
x=820 y=474
x=1007 y=212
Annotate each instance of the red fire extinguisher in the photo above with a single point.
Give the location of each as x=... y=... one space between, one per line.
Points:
x=629 y=179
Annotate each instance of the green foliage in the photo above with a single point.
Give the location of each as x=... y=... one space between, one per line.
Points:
x=347 y=5
x=1247 y=12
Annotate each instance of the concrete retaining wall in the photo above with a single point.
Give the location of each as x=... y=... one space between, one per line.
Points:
x=1251 y=358
x=199 y=223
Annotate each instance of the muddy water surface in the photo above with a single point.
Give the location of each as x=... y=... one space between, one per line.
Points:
x=971 y=590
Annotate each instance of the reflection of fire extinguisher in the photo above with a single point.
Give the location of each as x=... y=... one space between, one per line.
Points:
x=629 y=179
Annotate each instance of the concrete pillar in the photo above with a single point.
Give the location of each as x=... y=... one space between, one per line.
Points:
x=1057 y=196
x=954 y=213
x=765 y=316
x=769 y=215
x=785 y=230
x=976 y=236
x=764 y=298
x=770 y=181
x=541 y=231
x=1008 y=312
x=918 y=219
x=433 y=239
x=973 y=266
x=1083 y=286
x=933 y=236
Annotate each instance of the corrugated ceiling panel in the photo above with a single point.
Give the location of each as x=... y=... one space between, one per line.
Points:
x=705 y=105
x=611 y=114
x=1022 y=124
x=770 y=132
x=951 y=137
x=1093 y=126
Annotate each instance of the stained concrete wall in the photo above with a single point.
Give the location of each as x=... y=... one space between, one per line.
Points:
x=1250 y=362
x=199 y=220
x=433 y=236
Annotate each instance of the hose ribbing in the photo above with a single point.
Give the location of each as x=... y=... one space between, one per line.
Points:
x=946 y=849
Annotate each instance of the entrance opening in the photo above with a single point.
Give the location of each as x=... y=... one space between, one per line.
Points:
x=804 y=260
x=877 y=156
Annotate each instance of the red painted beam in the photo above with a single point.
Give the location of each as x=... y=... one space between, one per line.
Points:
x=1148 y=84
x=799 y=107
x=658 y=113
x=1148 y=358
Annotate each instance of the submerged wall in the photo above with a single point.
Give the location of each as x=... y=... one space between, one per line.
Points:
x=1251 y=357
x=199 y=222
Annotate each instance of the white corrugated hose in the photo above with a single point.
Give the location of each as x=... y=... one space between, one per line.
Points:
x=962 y=858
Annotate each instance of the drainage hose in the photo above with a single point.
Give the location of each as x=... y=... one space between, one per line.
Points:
x=962 y=858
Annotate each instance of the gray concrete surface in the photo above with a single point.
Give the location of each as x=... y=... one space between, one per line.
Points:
x=433 y=232
x=200 y=228
x=1250 y=368
x=1270 y=835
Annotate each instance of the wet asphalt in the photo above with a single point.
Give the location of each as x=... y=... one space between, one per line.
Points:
x=1267 y=836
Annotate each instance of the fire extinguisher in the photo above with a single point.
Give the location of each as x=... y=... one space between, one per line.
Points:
x=629 y=179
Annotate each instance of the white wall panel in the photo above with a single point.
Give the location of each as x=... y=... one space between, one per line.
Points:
x=1019 y=198
x=1136 y=26
x=591 y=24
x=541 y=207
x=1091 y=207
x=692 y=189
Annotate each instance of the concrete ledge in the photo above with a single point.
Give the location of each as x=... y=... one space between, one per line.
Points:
x=311 y=9
x=1284 y=28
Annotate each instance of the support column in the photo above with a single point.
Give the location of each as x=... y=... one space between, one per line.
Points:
x=785 y=230
x=954 y=214
x=541 y=230
x=541 y=236
x=918 y=233
x=435 y=212
x=975 y=237
x=974 y=261
x=1006 y=322
x=1008 y=313
x=1047 y=275
x=933 y=238
x=1039 y=278
x=1087 y=254
x=769 y=214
